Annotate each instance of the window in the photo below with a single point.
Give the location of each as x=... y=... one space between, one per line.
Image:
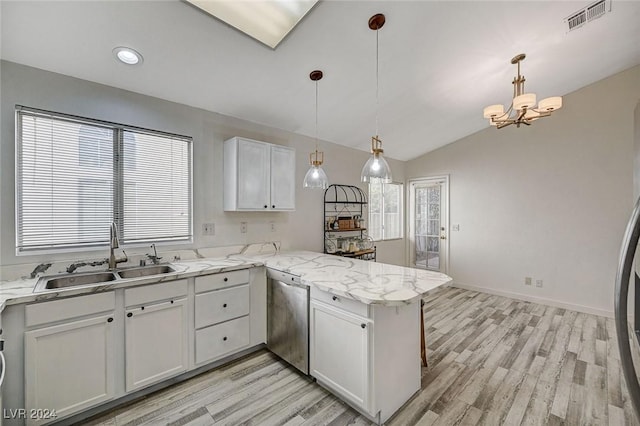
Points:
x=75 y=176
x=385 y=210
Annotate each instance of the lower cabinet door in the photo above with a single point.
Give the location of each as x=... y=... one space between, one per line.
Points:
x=69 y=367
x=222 y=339
x=339 y=352
x=155 y=343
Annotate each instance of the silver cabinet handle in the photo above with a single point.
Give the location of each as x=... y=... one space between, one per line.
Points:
x=4 y=367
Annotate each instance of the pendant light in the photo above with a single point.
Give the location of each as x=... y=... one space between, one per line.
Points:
x=316 y=177
x=376 y=168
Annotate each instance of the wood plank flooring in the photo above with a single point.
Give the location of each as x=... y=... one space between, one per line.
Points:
x=492 y=361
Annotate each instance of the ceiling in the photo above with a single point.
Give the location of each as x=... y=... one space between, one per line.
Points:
x=441 y=62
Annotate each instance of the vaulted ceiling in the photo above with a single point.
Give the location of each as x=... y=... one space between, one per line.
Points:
x=441 y=62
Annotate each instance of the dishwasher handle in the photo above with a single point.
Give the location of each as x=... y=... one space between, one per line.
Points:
x=293 y=283
x=3 y=368
x=285 y=278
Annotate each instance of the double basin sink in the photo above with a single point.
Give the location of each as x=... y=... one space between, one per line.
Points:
x=74 y=280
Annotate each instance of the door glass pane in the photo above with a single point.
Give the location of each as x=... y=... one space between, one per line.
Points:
x=427 y=226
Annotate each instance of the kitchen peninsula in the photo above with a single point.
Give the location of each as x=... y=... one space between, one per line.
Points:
x=364 y=343
x=364 y=326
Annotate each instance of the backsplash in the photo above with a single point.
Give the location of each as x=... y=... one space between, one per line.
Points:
x=15 y=272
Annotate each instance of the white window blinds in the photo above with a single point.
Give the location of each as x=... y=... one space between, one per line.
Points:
x=75 y=176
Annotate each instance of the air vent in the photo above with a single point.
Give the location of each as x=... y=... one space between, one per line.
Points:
x=577 y=20
x=596 y=10
x=588 y=14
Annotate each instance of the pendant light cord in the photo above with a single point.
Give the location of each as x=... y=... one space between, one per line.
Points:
x=377 y=81
x=316 y=117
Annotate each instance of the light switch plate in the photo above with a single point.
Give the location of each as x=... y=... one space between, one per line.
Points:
x=455 y=227
x=243 y=227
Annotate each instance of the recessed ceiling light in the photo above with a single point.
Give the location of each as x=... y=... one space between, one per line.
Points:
x=127 y=55
x=266 y=21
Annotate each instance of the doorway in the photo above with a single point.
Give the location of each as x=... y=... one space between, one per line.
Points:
x=428 y=223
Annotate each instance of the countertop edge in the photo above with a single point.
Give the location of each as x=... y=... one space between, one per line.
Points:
x=207 y=266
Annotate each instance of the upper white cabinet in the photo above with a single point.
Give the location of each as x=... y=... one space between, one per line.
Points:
x=283 y=177
x=258 y=176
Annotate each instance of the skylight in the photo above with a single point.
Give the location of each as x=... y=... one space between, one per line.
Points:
x=268 y=21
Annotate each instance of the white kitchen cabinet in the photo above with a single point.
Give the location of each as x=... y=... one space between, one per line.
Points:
x=71 y=366
x=155 y=342
x=340 y=352
x=283 y=178
x=258 y=176
x=368 y=355
x=222 y=315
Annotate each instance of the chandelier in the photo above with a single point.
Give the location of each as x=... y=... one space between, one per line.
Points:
x=523 y=107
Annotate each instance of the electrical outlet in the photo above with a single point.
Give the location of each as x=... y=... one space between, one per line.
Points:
x=527 y=280
x=455 y=227
x=538 y=283
x=273 y=226
x=208 y=229
x=243 y=227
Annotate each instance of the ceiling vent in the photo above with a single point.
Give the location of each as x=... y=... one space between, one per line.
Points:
x=588 y=14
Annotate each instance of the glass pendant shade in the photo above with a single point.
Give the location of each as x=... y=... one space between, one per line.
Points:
x=376 y=169
x=315 y=178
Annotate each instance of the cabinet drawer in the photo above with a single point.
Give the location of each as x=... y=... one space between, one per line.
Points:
x=73 y=307
x=222 y=339
x=155 y=292
x=342 y=302
x=221 y=305
x=222 y=280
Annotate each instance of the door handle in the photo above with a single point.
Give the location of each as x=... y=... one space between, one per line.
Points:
x=442 y=237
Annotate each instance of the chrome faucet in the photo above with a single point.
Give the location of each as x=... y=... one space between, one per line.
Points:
x=114 y=244
x=154 y=257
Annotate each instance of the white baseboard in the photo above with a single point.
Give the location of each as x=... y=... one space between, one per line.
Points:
x=540 y=300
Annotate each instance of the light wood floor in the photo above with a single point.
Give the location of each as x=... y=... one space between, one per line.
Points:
x=492 y=361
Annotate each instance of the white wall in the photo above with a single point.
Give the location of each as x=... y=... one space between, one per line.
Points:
x=549 y=201
x=301 y=229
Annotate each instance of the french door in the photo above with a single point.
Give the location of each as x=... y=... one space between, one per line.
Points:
x=428 y=223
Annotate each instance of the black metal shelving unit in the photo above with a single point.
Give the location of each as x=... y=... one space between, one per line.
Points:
x=346 y=206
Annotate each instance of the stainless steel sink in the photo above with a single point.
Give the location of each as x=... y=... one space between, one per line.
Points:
x=145 y=271
x=73 y=280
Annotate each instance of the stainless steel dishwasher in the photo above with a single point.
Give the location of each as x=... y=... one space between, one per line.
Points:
x=288 y=318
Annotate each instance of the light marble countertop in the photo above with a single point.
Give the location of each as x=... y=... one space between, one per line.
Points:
x=368 y=282
x=22 y=290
